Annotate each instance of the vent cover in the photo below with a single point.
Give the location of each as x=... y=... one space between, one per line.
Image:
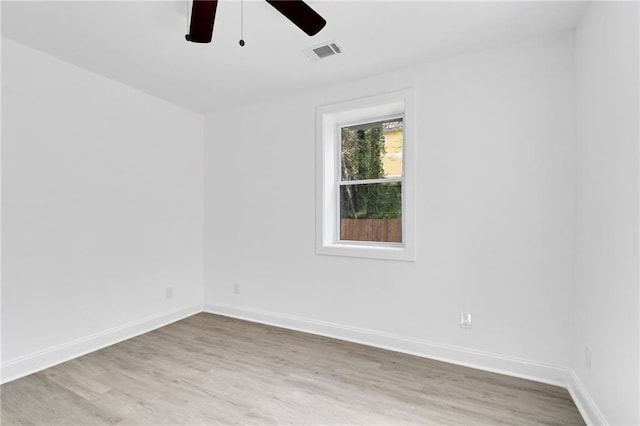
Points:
x=316 y=53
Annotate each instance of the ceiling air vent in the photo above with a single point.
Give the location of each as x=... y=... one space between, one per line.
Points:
x=323 y=51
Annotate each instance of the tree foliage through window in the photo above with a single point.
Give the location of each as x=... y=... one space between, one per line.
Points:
x=362 y=152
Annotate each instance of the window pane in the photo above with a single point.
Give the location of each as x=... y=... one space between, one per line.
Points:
x=372 y=150
x=371 y=212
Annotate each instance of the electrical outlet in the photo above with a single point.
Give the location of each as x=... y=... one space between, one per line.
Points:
x=587 y=357
x=236 y=288
x=465 y=320
x=168 y=292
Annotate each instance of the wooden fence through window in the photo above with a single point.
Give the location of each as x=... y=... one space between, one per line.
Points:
x=384 y=230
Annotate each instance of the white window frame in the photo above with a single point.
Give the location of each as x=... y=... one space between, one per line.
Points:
x=329 y=120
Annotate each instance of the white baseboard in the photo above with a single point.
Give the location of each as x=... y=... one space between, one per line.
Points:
x=25 y=365
x=516 y=367
x=586 y=405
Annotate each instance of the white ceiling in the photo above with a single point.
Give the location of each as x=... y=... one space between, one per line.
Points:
x=142 y=43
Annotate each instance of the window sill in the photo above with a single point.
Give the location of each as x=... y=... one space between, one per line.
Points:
x=373 y=251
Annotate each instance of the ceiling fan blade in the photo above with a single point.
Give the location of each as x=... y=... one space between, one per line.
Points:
x=300 y=14
x=203 y=14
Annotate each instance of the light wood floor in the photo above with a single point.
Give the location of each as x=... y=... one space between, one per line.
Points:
x=209 y=369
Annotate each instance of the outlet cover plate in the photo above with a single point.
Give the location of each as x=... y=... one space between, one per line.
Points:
x=587 y=357
x=465 y=320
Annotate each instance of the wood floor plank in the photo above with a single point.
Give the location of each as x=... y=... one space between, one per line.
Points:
x=210 y=369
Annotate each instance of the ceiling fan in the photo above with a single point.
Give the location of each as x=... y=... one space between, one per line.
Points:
x=203 y=14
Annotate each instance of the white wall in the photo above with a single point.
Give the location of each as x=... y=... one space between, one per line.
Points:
x=605 y=316
x=102 y=208
x=494 y=215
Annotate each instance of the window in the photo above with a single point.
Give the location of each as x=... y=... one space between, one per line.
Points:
x=370 y=184
x=365 y=180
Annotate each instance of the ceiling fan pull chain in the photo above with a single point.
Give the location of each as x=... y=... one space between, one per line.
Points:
x=241 y=22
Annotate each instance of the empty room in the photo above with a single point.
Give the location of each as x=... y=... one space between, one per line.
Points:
x=320 y=212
